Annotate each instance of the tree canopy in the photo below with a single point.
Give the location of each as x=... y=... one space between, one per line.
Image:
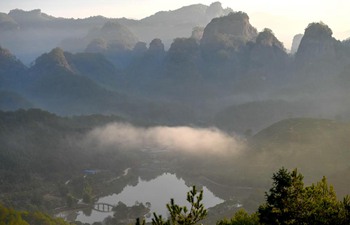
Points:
x=289 y=202
x=10 y=216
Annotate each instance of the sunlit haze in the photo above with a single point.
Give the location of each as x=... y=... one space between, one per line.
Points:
x=285 y=18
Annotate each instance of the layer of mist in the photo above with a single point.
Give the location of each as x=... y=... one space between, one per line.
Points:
x=163 y=138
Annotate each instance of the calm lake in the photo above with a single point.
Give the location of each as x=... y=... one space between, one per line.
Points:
x=158 y=192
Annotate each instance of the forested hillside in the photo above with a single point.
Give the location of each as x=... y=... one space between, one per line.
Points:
x=40 y=151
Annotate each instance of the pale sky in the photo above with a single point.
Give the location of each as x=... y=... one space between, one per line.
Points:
x=285 y=17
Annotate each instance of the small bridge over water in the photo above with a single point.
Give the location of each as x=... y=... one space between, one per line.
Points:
x=103 y=207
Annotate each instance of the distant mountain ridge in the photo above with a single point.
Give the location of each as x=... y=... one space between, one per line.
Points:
x=62 y=32
x=30 y=17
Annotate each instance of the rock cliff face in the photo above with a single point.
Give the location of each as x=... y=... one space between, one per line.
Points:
x=316 y=44
x=267 y=38
x=227 y=33
x=263 y=63
x=320 y=55
x=267 y=52
x=296 y=42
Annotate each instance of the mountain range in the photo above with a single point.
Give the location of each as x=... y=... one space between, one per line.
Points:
x=222 y=71
x=30 y=33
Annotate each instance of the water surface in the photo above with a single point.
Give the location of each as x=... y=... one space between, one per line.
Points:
x=158 y=192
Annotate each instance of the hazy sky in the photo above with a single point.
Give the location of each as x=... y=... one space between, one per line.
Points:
x=285 y=17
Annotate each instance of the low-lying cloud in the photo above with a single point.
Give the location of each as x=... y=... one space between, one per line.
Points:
x=186 y=139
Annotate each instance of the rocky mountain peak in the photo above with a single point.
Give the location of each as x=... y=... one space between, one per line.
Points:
x=215 y=9
x=53 y=60
x=156 y=46
x=267 y=38
x=296 y=42
x=227 y=33
x=231 y=30
x=318 y=31
x=316 y=43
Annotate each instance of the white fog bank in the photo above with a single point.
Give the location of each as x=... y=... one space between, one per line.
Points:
x=186 y=139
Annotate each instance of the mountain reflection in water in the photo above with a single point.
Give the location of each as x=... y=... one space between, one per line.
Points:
x=158 y=192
